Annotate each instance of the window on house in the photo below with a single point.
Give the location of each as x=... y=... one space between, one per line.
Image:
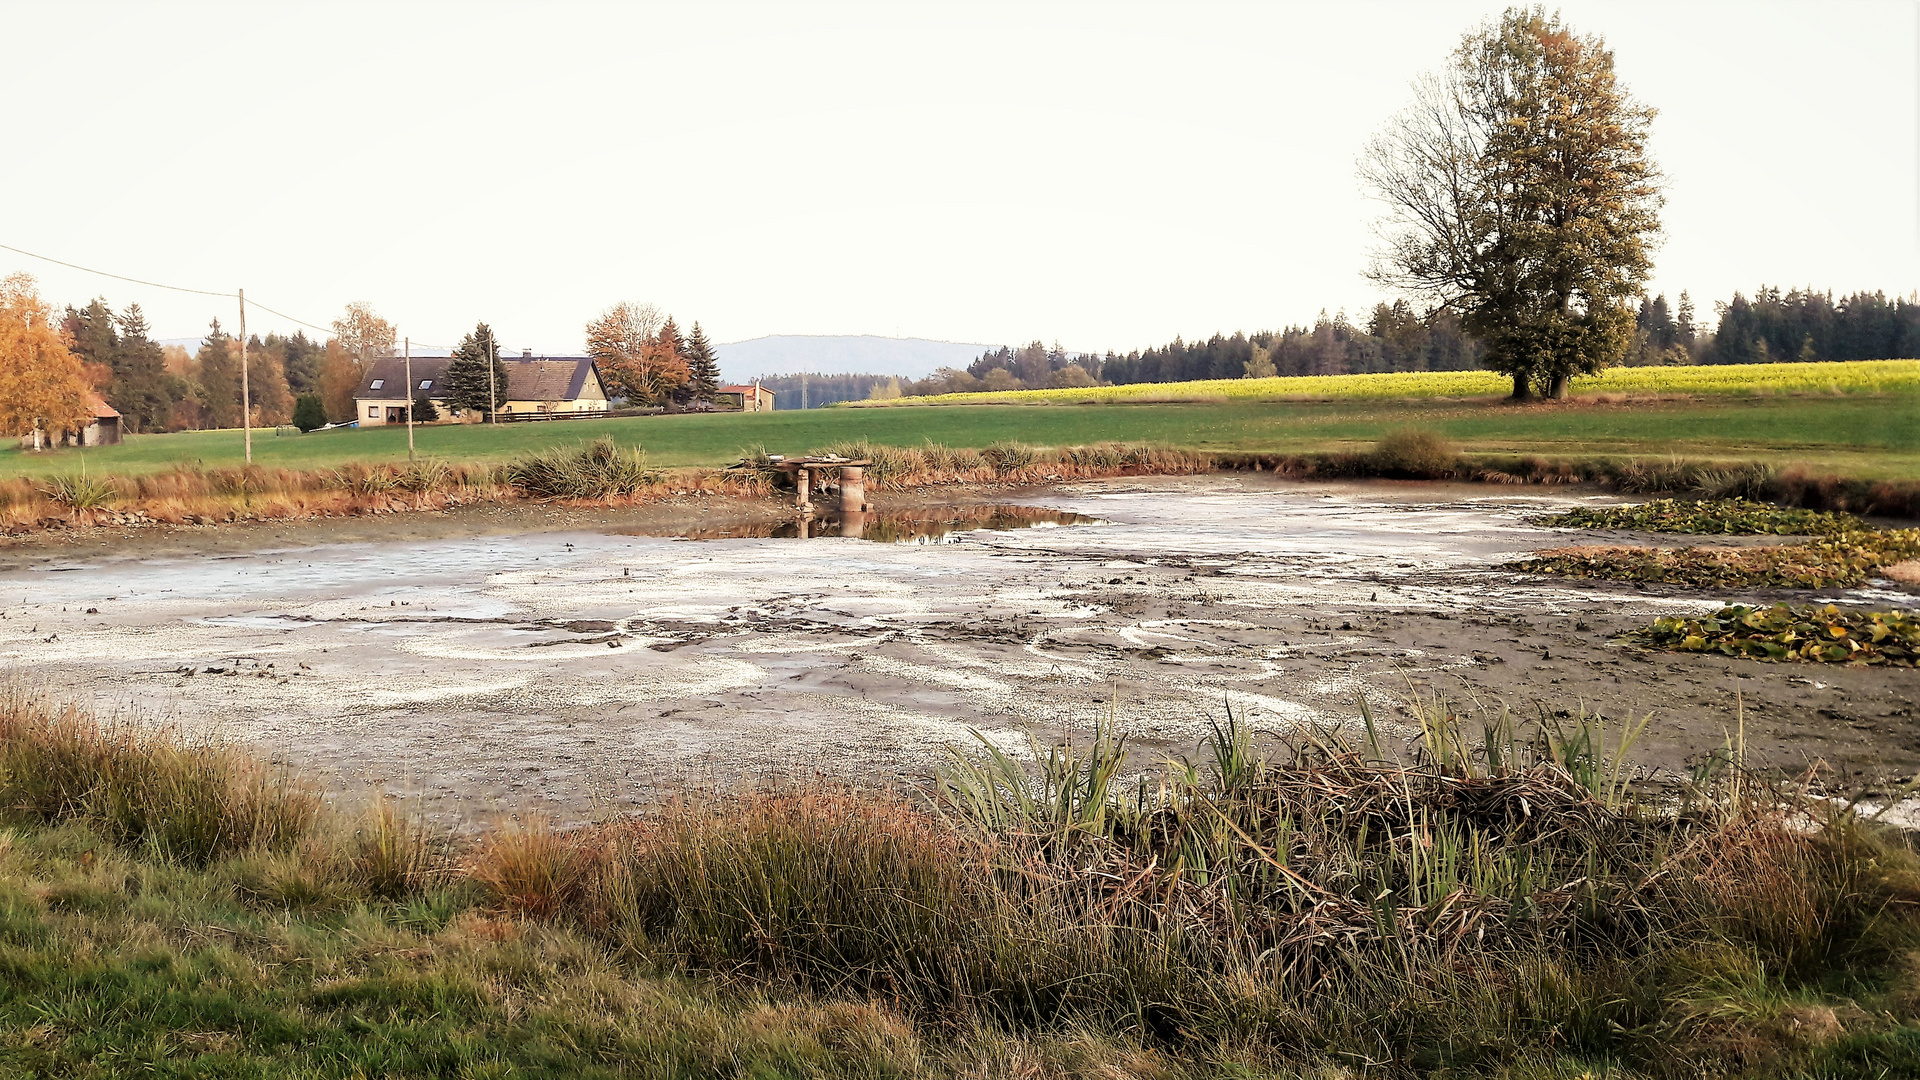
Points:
x=426 y=384
x=376 y=384
x=373 y=413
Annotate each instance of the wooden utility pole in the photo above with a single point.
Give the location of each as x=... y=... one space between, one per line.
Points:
x=246 y=395
x=409 y=348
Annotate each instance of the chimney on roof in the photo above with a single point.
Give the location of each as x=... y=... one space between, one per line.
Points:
x=526 y=354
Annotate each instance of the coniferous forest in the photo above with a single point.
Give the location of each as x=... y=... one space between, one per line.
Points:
x=1772 y=325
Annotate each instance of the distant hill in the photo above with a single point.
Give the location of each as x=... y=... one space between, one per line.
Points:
x=790 y=354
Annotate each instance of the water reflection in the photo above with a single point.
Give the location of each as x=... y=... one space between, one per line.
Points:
x=895 y=527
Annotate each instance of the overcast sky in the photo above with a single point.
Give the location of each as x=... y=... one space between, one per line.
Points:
x=1106 y=175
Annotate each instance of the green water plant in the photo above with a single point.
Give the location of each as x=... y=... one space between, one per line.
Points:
x=1806 y=632
x=1729 y=517
x=1841 y=561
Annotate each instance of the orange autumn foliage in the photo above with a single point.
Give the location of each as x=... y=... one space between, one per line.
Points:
x=42 y=384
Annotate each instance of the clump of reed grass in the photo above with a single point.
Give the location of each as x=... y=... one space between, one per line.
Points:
x=392 y=852
x=80 y=493
x=370 y=480
x=951 y=461
x=192 y=800
x=595 y=470
x=889 y=464
x=1009 y=456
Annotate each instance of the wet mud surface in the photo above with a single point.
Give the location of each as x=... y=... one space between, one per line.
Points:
x=523 y=659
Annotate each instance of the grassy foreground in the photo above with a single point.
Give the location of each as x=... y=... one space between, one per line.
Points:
x=1504 y=904
x=1862 y=436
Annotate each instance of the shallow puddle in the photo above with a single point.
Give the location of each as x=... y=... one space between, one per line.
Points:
x=939 y=527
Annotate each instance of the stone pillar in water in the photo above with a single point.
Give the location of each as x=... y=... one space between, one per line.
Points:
x=802 y=497
x=853 y=489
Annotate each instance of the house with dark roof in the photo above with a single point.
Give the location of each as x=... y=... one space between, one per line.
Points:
x=384 y=392
x=535 y=384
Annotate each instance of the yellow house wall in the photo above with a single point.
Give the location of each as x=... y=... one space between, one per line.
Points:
x=380 y=407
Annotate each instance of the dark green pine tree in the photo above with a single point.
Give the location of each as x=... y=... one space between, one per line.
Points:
x=423 y=409
x=303 y=361
x=219 y=379
x=466 y=377
x=702 y=365
x=309 y=412
x=141 y=387
x=94 y=339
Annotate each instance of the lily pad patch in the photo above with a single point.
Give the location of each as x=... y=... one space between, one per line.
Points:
x=1809 y=633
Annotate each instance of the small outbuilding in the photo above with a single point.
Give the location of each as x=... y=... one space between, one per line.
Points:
x=748 y=398
x=103 y=430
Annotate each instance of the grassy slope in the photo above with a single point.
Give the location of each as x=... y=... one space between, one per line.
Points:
x=1857 y=435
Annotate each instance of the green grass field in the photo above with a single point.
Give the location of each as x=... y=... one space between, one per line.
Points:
x=1849 y=377
x=1875 y=436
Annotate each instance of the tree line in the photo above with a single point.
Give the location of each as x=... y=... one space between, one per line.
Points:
x=52 y=362
x=1800 y=325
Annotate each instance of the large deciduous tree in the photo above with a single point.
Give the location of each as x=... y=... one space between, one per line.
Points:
x=363 y=333
x=638 y=353
x=360 y=336
x=43 y=386
x=466 y=377
x=1521 y=196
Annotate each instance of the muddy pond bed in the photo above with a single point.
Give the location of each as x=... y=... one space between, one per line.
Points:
x=556 y=662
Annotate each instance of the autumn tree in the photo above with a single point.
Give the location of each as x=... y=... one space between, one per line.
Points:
x=1259 y=363
x=703 y=366
x=638 y=353
x=272 y=397
x=360 y=336
x=1521 y=196
x=42 y=385
x=364 y=334
x=219 y=359
x=340 y=374
x=466 y=378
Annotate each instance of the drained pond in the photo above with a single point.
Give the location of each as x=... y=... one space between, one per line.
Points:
x=553 y=671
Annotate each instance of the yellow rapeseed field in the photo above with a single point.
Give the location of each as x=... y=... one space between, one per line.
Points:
x=1838 y=377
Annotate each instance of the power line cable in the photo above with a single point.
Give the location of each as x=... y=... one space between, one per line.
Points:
x=184 y=289
x=118 y=277
x=160 y=285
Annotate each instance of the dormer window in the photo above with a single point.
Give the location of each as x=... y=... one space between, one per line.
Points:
x=376 y=384
x=426 y=384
